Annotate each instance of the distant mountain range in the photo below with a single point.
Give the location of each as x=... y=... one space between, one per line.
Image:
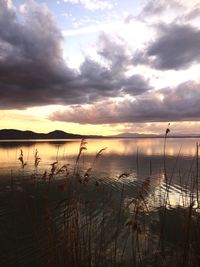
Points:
x=11 y=134
x=137 y=135
x=134 y=135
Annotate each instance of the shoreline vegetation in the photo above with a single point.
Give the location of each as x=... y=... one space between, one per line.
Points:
x=68 y=216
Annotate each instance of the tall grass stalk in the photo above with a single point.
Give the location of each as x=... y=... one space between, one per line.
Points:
x=93 y=223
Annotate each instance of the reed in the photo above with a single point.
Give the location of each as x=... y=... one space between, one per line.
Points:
x=21 y=159
x=89 y=223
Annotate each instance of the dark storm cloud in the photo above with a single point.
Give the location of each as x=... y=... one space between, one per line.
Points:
x=178 y=104
x=177 y=47
x=33 y=72
x=136 y=85
x=110 y=82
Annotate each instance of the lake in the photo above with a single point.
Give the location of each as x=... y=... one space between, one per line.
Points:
x=107 y=197
x=120 y=155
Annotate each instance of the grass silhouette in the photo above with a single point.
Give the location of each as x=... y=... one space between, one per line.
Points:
x=74 y=218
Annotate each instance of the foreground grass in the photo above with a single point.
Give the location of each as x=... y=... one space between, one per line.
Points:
x=66 y=216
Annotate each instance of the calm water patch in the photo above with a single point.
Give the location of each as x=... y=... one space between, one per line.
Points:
x=115 y=203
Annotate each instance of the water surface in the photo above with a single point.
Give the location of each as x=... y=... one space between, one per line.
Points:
x=128 y=170
x=120 y=154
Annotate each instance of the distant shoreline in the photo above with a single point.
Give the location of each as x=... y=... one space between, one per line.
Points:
x=104 y=137
x=18 y=135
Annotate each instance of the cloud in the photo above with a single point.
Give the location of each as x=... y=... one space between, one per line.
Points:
x=98 y=82
x=156 y=7
x=193 y=14
x=169 y=104
x=33 y=71
x=113 y=50
x=136 y=85
x=91 y=4
x=31 y=58
x=173 y=8
x=176 y=47
x=112 y=81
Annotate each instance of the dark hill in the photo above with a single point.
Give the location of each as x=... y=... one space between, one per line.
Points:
x=11 y=134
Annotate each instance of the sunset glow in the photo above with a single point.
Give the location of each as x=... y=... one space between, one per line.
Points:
x=100 y=67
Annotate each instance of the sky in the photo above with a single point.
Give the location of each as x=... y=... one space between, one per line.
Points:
x=100 y=67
